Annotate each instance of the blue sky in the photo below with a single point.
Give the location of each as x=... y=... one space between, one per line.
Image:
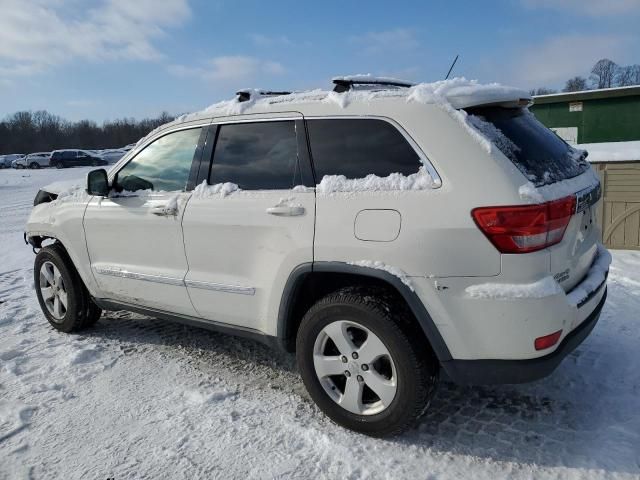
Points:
x=106 y=59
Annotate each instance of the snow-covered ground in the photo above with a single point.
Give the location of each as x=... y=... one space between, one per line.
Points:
x=135 y=397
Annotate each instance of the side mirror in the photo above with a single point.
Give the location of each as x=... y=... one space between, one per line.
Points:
x=98 y=183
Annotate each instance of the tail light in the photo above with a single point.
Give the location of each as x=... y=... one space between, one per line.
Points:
x=526 y=228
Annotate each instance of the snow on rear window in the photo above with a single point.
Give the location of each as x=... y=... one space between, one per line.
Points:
x=542 y=156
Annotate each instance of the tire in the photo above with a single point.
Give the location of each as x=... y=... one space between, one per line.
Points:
x=59 y=165
x=405 y=362
x=93 y=313
x=55 y=276
x=34 y=165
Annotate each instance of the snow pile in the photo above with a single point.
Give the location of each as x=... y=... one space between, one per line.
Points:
x=595 y=277
x=612 y=151
x=378 y=265
x=508 y=291
x=219 y=189
x=563 y=188
x=420 y=180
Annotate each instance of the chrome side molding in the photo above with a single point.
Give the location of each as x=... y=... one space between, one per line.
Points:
x=218 y=287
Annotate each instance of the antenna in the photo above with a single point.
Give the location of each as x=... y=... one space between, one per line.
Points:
x=451 y=68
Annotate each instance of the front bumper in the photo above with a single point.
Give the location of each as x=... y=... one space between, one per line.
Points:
x=484 y=372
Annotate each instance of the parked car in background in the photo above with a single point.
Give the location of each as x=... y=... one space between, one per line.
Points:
x=111 y=155
x=75 y=158
x=9 y=160
x=34 y=160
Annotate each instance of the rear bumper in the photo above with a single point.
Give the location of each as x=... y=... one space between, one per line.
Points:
x=483 y=372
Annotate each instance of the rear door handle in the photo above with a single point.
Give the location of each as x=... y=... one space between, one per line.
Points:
x=285 y=211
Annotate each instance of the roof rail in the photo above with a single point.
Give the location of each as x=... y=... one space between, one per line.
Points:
x=245 y=95
x=344 y=84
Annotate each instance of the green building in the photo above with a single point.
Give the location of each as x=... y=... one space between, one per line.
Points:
x=592 y=116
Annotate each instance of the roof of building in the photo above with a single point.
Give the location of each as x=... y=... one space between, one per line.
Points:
x=612 y=151
x=587 y=95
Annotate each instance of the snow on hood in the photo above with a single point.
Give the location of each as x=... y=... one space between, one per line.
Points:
x=64 y=186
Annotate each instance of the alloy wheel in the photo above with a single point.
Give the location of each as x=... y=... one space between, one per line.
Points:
x=53 y=291
x=355 y=368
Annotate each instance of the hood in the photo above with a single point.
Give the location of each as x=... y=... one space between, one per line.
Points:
x=64 y=186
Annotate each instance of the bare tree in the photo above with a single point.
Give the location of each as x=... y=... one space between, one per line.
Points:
x=603 y=73
x=629 y=75
x=575 y=84
x=542 y=91
x=26 y=132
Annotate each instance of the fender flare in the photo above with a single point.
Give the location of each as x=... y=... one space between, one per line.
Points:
x=414 y=303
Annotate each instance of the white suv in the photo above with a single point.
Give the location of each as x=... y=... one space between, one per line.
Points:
x=385 y=232
x=34 y=160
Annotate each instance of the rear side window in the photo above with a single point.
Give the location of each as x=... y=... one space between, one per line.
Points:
x=536 y=151
x=164 y=165
x=356 y=148
x=256 y=156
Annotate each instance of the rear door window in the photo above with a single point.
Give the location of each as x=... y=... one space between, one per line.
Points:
x=356 y=148
x=536 y=151
x=257 y=156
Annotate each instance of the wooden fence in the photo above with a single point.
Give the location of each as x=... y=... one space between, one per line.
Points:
x=619 y=213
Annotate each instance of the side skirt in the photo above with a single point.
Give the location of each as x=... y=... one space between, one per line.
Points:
x=256 y=335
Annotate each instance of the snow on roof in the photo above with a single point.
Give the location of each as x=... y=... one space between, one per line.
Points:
x=612 y=151
x=582 y=92
x=453 y=94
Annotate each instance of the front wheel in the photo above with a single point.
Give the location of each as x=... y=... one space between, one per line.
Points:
x=63 y=298
x=59 y=165
x=364 y=362
x=34 y=165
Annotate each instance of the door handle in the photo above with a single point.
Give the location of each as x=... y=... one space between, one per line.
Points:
x=286 y=211
x=163 y=210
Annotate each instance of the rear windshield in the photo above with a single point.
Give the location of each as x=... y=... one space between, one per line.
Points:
x=536 y=151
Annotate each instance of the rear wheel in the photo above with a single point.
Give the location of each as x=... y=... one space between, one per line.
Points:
x=364 y=363
x=63 y=297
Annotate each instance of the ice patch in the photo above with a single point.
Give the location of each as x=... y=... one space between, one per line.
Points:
x=378 y=265
x=508 y=291
x=420 y=180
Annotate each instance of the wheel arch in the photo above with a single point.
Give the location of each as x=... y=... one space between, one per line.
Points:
x=36 y=239
x=311 y=281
